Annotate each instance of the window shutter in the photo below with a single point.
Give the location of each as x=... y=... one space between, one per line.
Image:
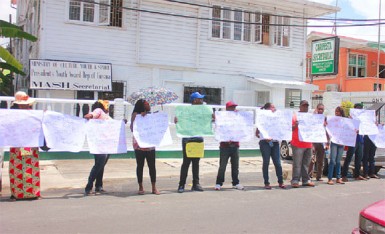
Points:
x=104 y=12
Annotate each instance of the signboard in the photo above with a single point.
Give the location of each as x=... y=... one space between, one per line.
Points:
x=67 y=75
x=325 y=54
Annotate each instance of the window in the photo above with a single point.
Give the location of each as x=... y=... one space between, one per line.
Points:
x=212 y=95
x=98 y=12
x=226 y=25
x=357 y=65
x=382 y=71
x=375 y=87
x=292 y=97
x=282 y=31
x=265 y=39
x=216 y=25
x=117 y=91
x=262 y=97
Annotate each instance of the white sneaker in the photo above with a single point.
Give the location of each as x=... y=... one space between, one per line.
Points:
x=239 y=187
x=217 y=187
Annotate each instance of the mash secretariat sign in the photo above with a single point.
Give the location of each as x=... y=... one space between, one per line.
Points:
x=325 y=54
x=67 y=75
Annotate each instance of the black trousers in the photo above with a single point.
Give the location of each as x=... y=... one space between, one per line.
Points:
x=149 y=156
x=186 y=163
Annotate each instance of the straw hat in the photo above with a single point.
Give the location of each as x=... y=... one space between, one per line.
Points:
x=21 y=98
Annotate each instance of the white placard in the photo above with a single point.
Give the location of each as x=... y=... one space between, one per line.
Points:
x=152 y=130
x=106 y=136
x=64 y=132
x=311 y=127
x=275 y=125
x=367 y=120
x=67 y=75
x=234 y=125
x=342 y=131
x=379 y=139
x=21 y=128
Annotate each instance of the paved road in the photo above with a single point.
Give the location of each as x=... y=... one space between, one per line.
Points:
x=64 y=209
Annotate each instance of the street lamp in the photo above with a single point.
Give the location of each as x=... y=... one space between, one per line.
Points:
x=378 y=48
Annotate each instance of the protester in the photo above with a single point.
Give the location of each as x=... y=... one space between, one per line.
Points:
x=319 y=149
x=336 y=151
x=270 y=148
x=368 y=160
x=196 y=99
x=357 y=150
x=142 y=107
x=99 y=111
x=301 y=153
x=229 y=149
x=24 y=171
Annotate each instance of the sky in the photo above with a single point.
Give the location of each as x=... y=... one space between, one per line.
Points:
x=352 y=9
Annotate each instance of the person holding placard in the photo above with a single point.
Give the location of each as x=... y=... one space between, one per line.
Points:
x=319 y=149
x=229 y=149
x=336 y=152
x=24 y=171
x=270 y=149
x=368 y=161
x=142 y=107
x=301 y=152
x=190 y=146
x=357 y=150
x=99 y=111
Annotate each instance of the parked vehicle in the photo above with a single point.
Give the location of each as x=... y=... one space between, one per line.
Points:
x=372 y=219
x=285 y=150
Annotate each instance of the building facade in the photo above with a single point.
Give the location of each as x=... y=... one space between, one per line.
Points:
x=357 y=67
x=250 y=52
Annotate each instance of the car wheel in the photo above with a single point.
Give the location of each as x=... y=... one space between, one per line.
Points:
x=285 y=152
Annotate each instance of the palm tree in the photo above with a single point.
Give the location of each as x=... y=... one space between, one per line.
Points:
x=7 y=61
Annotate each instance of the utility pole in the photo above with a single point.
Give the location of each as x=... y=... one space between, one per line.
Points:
x=378 y=48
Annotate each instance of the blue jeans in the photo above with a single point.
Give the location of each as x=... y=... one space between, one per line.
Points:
x=336 y=152
x=368 y=160
x=97 y=172
x=272 y=151
x=225 y=154
x=358 y=151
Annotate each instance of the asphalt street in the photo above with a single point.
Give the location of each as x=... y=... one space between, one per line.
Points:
x=64 y=209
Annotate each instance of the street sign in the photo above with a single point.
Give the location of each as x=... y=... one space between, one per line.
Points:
x=325 y=54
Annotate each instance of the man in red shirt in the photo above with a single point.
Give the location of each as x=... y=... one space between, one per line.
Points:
x=301 y=153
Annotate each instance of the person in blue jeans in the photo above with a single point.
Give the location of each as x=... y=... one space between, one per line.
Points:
x=357 y=150
x=336 y=151
x=270 y=148
x=229 y=149
x=368 y=160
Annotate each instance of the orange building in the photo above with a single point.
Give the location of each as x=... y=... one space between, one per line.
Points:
x=357 y=68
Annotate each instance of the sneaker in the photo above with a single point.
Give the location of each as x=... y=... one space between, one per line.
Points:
x=217 y=187
x=344 y=179
x=87 y=193
x=181 y=189
x=295 y=185
x=239 y=187
x=309 y=184
x=197 y=187
x=359 y=178
x=100 y=191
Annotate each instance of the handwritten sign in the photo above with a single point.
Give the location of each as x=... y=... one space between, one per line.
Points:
x=275 y=125
x=342 y=131
x=64 y=132
x=311 y=127
x=106 y=136
x=21 y=128
x=379 y=139
x=367 y=120
x=234 y=125
x=194 y=120
x=150 y=130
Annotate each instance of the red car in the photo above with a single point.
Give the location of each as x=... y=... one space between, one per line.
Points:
x=372 y=219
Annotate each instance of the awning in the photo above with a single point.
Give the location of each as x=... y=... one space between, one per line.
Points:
x=291 y=84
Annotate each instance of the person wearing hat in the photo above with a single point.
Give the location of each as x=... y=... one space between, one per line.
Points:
x=99 y=111
x=229 y=149
x=301 y=152
x=24 y=171
x=358 y=151
x=196 y=99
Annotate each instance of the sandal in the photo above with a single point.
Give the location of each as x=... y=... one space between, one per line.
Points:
x=330 y=182
x=141 y=192
x=282 y=186
x=156 y=192
x=339 y=181
x=267 y=186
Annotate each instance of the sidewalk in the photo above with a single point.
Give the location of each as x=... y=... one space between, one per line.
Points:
x=72 y=174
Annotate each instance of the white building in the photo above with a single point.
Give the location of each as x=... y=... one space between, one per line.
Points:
x=230 y=50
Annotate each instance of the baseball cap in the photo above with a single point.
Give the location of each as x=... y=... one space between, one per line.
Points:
x=195 y=95
x=230 y=103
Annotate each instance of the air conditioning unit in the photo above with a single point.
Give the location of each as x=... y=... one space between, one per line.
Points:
x=332 y=88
